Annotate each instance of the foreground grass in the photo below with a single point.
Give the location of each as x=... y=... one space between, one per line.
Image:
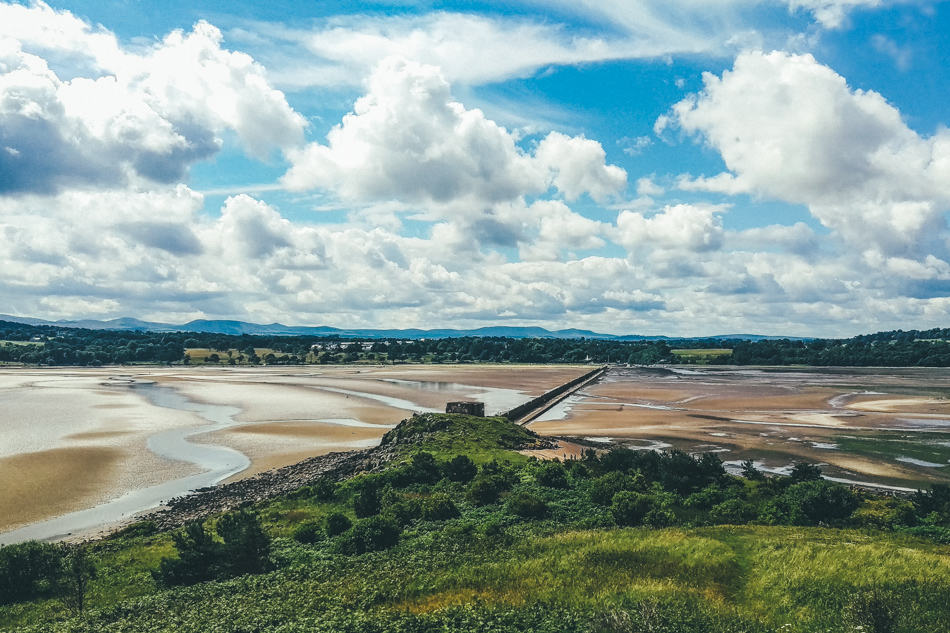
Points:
x=757 y=577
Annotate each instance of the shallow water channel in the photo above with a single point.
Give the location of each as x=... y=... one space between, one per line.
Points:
x=216 y=463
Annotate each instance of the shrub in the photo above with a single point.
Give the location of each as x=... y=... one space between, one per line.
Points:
x=403 y=512
x=337 y=523
x=749 y=471
x=141 y=528
x=630 y=508
x=683 y=473
x=885 y=513
x=617 y=459
x=369 y=535
x=603 y=488
x=461 y=469
x=424 y=468
x=246 y=547
x=197 y=557
x=78 y=571
x=485 y=489
x=323 y=489
x=805 y=472
x=367 y=503
x=526 y=506
x=552 y=475
x=28 y=570
x=732 y=512
x=935 y=533
x=935 y=503
x=439 y=508
x=308 y=533
x=706 y=498
x=821 y=501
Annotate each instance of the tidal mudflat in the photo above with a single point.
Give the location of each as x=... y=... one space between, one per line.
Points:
x=85 y=447
x=886 y=427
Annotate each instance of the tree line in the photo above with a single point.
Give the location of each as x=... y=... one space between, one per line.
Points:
x=50 y=345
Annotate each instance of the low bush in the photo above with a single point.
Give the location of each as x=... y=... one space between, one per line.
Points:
x=308 y=533
x=485 y=489
x=526 y=506
x=552 y=475
x=369 y=535
x=439 y=508
x=29 y=570
x=460 y=469
x=244 y=548
x=336 y=523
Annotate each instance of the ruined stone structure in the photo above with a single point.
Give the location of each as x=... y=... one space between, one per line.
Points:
x=467 y=408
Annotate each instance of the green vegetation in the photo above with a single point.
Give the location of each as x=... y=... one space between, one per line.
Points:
x=75 y=346
x=621 y=541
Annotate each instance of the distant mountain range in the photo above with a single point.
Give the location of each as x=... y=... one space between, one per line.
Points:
x=278 y=329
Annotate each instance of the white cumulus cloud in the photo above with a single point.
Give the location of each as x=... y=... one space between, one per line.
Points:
x=790 y=128
x=409 y=139
x=145 y=114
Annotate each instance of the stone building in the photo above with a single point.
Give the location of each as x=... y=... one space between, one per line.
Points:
x=467 y=408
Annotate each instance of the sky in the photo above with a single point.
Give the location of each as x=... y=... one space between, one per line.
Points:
x=675 y=167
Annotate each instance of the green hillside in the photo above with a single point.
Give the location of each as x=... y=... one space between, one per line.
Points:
x=624 y=541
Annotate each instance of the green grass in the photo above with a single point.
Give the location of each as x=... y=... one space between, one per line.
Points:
x=481 y=439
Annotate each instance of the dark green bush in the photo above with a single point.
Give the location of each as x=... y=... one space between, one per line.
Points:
x=603 y=488
x=323 y=489
x=934 y=503
x=425 y=469
x=308 y=533
x=246 y=547
x=485 y=489
x=369 y=535
x=749 y=471
x=526 y=506
x=819 y=501
x=803 y=471
x=552 y=475
x=439 y=508
x=336 y=523
x=706 y=498
x=28 y=570
x=461 y=469
x=632 y=508
x=197 y=559
x=732 y=511
x=367 y=502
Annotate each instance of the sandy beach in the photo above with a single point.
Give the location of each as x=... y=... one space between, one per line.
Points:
x=75 y=438
x=880 y=426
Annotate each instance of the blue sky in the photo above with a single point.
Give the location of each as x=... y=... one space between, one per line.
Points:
x=683 y=168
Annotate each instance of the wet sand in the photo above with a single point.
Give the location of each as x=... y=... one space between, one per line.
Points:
x=777 y=416
x=46 y=483
x=73 y=438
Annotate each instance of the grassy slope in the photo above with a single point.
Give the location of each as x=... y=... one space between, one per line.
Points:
x=489 y=570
